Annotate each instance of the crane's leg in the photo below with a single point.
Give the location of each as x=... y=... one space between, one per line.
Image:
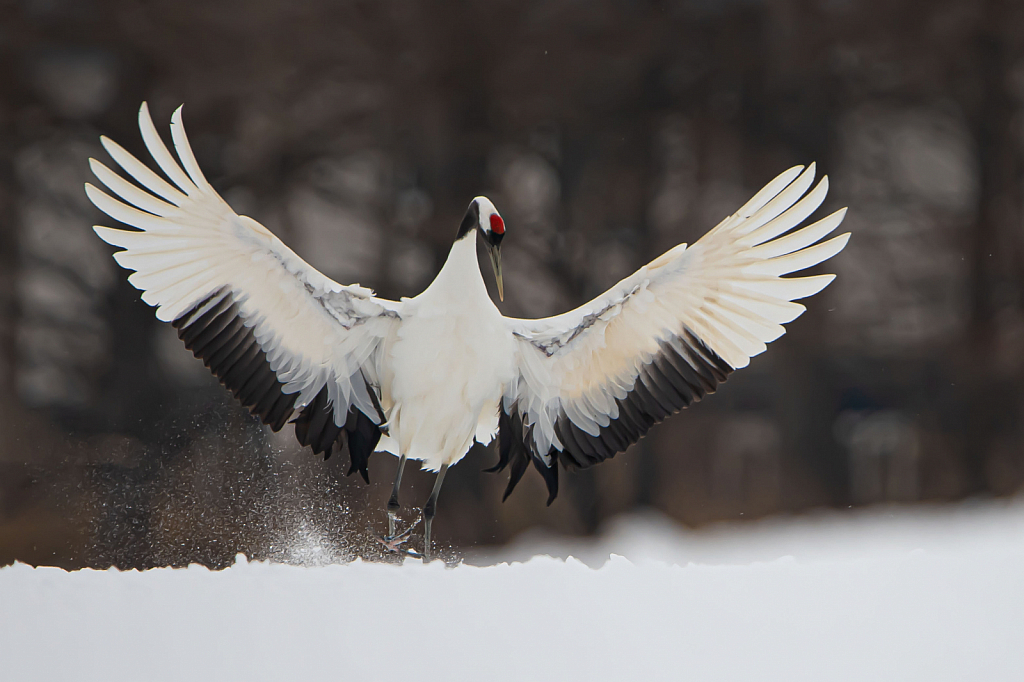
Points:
x=428 y=512
x=393 y=505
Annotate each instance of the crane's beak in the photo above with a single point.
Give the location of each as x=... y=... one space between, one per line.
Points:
x=495 y=252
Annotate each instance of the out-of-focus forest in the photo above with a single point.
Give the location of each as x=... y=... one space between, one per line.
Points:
x=605 y=132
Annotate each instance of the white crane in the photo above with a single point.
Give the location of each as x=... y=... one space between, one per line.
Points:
x=425 y=376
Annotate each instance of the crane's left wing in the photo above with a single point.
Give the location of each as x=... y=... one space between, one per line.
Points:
x=592 y=382
x=286 y=340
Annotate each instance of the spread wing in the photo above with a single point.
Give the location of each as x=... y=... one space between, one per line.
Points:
x=593 y=381
x=286 y=340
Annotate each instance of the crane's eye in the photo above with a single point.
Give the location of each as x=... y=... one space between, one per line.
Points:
x=497 y=224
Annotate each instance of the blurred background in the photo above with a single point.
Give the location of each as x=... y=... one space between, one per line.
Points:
x=606 y=132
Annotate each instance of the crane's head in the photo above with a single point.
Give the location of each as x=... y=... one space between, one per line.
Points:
x=482 y=216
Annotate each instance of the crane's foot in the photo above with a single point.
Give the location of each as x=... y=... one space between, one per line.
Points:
x=394 y=542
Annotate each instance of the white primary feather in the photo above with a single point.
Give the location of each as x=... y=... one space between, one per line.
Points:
x=314 y=331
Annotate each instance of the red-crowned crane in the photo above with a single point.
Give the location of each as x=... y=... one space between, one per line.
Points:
x=424 y=377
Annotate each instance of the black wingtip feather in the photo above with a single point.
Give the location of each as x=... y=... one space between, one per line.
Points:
x=362 y=441
x=683 y=372
x=518 y=468
x=359 y=435
x=550 y=474
x=515 y=450
x=215 y=332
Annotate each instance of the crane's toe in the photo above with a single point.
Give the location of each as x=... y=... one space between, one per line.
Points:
x=393 y=542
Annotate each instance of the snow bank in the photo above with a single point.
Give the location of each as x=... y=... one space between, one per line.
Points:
x=867 y=602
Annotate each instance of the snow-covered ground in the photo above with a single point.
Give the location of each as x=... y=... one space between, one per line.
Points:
x=894 y=594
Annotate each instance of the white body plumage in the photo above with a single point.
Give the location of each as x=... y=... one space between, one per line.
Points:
x=444 y=373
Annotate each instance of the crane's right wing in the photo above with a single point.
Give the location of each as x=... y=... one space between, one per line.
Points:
x=281 y=336
x=592 y=382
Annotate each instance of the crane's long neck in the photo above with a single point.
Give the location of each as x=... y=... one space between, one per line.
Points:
x=460 y=277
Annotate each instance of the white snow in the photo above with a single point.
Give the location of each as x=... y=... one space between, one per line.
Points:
x=895 y=594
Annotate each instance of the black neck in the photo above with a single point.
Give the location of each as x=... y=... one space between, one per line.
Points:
x=470 y=222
